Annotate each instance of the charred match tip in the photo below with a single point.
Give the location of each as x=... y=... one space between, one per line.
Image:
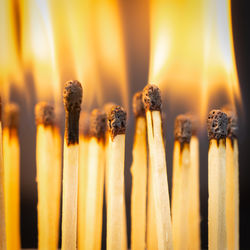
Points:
x=108 y=106
x=72 y=97
x=84 y=123
x=183 y=129
x=44 y=114
x=151 y=97
x=116 y=118
x=11 y=115
x=138 y=106
x=98 y=121
x=217 y=125
x=232 y=126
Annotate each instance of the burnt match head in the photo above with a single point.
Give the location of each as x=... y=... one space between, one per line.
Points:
x=98 y=123
x=44 y=114
x=72 y=96
x=217 y=125
x=138 y=106
x=116 y=119
x=11 y=115
x=232 y=126
x=183 y=129
x=151 y=97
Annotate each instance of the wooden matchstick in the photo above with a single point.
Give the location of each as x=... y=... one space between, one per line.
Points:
x=115 y=205
x=152 y=103
x=72 y=102
x=82 y=180
x=48 y=164
x=139 y=177
x=95 y=181
x=232 y=181
x=217 y=132
x=182 y=179
x=2 y=210
x=11 y=155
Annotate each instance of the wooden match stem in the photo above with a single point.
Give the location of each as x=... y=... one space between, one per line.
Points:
x=70 y=194
x=83 y=171
x=11 y=154
x=217 y=239
x=232 y=193
x=2 y=210
x=159 y=180
x=115 y=204
x=139 y=186
x=48 y=162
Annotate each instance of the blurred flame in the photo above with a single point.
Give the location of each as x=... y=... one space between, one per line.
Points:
x=192 y=54
x=10 y=68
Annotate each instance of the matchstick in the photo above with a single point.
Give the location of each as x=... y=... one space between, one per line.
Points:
x=182 y=179
x=194 y=208
x=72 y=102
x=232 y=181
x=217 y=132
x=82 y=180
x=2 y=210
x=11 y=155
x=48 y=164
x=95 y=181
x=139 y=177
x=107 y=107
x=115 y=205
x=152 y=103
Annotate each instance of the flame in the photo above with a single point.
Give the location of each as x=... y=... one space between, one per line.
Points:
x=192 y=53
x=10 y=68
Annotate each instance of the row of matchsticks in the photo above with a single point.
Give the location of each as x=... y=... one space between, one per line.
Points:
x=97 y=152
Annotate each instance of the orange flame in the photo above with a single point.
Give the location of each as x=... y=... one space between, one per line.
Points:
x=192 y=54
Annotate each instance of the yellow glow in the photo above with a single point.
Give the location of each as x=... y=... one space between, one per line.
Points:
x=192 y=52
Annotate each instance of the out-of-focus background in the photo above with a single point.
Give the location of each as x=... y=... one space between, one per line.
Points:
x=115 y=48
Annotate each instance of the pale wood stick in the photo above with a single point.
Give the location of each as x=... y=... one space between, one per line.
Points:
x=139 y=176
x=83 y=171
x=11 y=148
x=72 y=103
x=159 y=180
x=217 y=130
x=194 y=205
x=232 y=194
x=115 y=205
x=48 y=164
x=139 y=186
x=2 y=210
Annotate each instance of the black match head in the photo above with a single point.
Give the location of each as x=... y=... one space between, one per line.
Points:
x=98 y=121
x=11 y=115
x=232 y=126
x=44 y=114
x=217 y=125
x=138 y=106
x=151 y=97
x=116 y=119
x=183 y=129
x=72 y=96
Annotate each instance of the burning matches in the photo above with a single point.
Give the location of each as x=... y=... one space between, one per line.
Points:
x=115 y=204
x=72 y=102
x=159 y=185
x=48 y=163
x=181 y=183
x=232 y=182
x=11 y=154
x=139 y=175
x=217 y=131
x=2 y=210
x=95 y=181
